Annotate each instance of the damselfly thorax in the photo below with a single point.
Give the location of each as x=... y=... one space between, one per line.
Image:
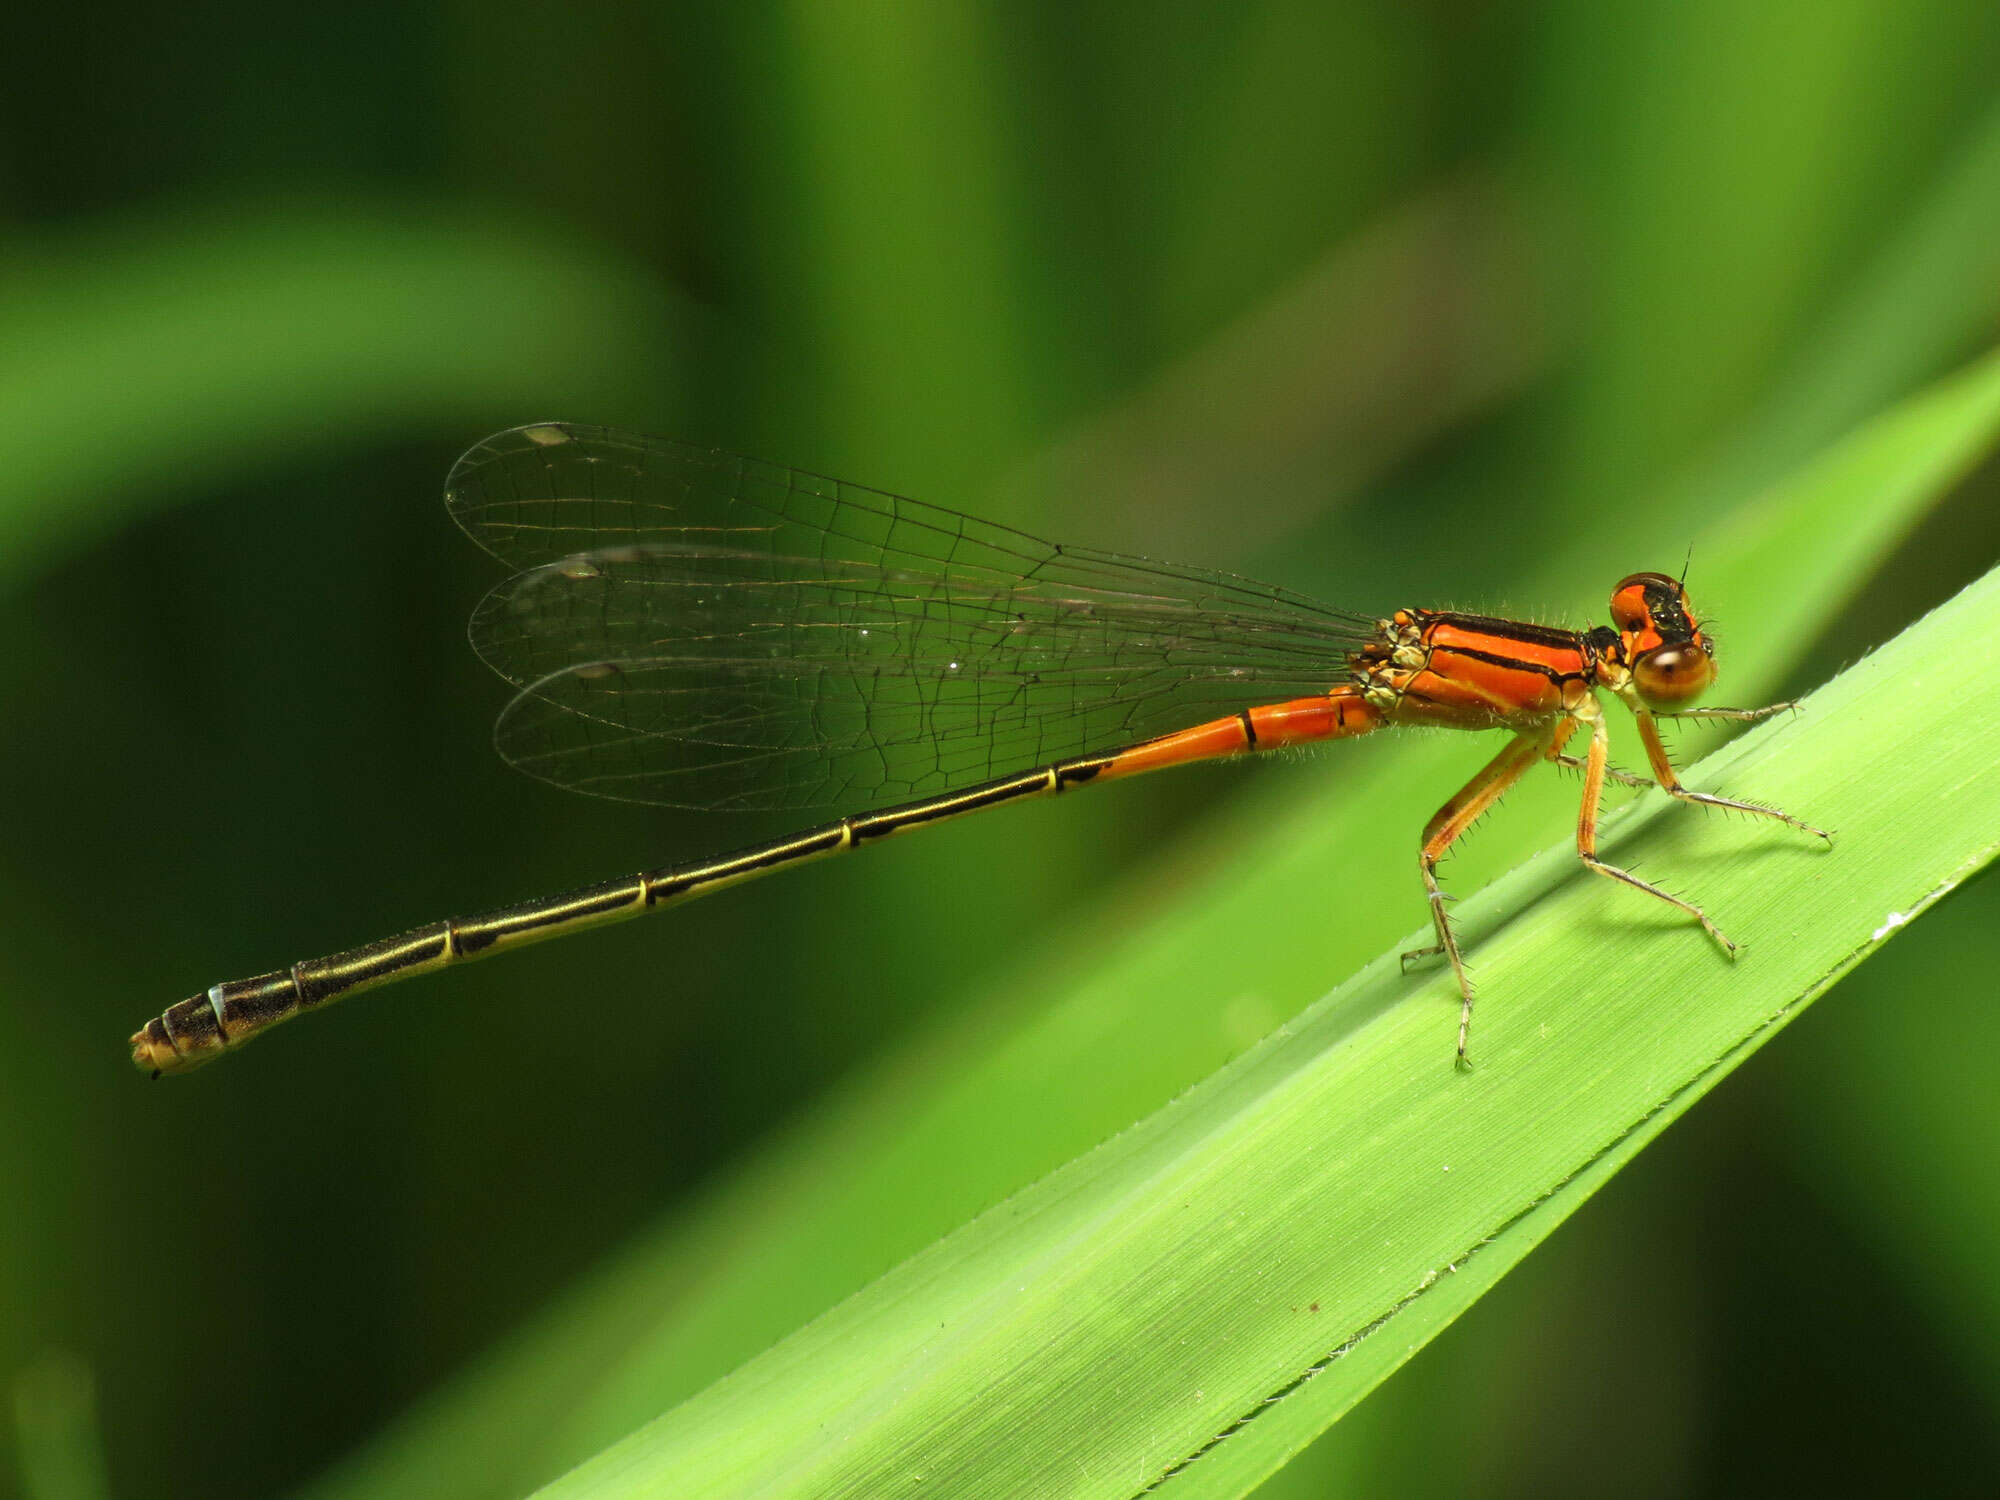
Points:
x=691 y=629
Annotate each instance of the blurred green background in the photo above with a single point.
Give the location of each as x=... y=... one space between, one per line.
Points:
x=1370 y=298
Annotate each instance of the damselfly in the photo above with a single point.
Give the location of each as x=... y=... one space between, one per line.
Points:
x=692 y=629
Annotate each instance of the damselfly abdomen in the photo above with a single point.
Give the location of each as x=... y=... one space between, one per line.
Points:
x=691 y=629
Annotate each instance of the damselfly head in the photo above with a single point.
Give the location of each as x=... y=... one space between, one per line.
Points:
x=1671 y=660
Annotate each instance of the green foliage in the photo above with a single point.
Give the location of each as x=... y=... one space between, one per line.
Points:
x=1191 y=1302
x=1456 y=304
x=316 y=317
x=1128 y=1310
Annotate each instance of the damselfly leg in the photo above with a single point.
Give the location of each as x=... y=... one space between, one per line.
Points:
x=688 y=628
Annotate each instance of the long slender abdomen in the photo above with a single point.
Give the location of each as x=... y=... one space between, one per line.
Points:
x=1337 y=715
x=205 y=1026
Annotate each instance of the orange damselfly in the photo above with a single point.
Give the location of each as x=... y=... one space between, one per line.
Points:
x=691 y=629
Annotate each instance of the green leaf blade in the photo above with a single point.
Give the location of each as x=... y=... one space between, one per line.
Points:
x=1186 y=1305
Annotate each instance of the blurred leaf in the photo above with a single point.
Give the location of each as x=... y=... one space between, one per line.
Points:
x=1004 y=1096
x=1931 y=294
x=150 y=360
x=1188 y=1304
x=1907 y=1157
x=1430 y=316
x=868 y=270
x=1717 y=149
x=55 y=1420
x=1284 y=92
x=1707 y=242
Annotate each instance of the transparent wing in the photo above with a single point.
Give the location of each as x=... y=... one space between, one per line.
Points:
x=700 y=630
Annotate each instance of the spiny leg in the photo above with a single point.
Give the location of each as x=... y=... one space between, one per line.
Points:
x=1551 y=742
x=1586 y=823
x=1449 y=825
x=1656 y=754
x=1578 y=763
x=1611 y=773
x=1739 y=715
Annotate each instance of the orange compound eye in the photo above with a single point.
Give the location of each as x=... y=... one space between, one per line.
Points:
x=1634 y=600
x=1674 y=674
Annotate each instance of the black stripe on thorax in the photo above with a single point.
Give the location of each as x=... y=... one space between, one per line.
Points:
x=1516 y=664
x=1524 y=631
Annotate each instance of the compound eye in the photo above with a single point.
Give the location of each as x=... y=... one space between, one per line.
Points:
x=1628 y=604
x=1673 y=674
